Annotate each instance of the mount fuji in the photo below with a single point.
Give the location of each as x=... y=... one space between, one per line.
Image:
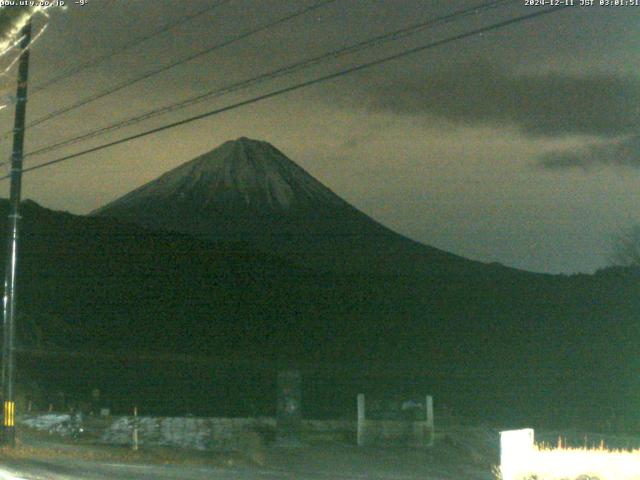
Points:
x=297 y=276
x=248 y=191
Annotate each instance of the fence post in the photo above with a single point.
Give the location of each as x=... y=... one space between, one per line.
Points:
x=135 y=428
x=429 y=417
x=361 y=420
x=289 y=413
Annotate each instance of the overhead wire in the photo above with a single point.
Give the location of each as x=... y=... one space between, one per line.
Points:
x=270 y=75
x=164 y=68
x=124 y=48
x=298 y=86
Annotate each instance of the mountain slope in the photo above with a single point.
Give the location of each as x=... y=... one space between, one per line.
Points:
x=501 y=343
x=247 y=190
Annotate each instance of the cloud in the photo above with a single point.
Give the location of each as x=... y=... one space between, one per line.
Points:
x=620 y=152
x=540 y=105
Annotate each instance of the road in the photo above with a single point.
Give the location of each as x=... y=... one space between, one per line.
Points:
x=66 y=470
x=466 y=453
x=338 y=463
x=40 y=470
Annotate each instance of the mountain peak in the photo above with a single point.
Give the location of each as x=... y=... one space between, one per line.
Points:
x=243 y=190
x=244 y=139
x=247 y=190
x=243 y=174
x=246 y=143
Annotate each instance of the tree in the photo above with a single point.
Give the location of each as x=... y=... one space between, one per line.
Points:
x=626 y=248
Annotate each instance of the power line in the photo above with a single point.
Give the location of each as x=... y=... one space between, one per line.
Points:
x=152 y=73
x=303 y=84
x=134 y=43
x=298 y=86
x=286 y=70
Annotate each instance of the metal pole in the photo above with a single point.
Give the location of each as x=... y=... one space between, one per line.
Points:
x=9 y=333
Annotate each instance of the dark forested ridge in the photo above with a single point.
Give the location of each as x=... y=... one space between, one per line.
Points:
x=495 y=337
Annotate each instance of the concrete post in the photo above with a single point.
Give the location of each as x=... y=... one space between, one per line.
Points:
x=134 y=443
x=361 y=420
x=429 y=417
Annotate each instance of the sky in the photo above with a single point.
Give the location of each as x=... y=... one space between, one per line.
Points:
x=519 y=145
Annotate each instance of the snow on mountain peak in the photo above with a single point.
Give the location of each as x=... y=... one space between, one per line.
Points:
x=245 y=172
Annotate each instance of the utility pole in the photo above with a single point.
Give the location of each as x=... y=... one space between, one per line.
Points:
x=9 y=310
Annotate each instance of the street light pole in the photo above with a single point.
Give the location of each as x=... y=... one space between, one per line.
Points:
x=9 y=310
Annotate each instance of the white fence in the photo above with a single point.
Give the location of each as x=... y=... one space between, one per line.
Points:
x=413 y=433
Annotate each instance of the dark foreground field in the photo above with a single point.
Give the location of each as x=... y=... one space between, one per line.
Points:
x=465 y=453
x=460 y=452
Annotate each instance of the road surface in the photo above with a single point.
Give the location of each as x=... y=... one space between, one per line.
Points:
x=308 y=463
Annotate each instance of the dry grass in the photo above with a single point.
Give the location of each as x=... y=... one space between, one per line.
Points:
x=546 y=462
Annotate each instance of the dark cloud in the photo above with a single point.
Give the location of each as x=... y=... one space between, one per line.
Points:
x=549 y=105
x=624 y=152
